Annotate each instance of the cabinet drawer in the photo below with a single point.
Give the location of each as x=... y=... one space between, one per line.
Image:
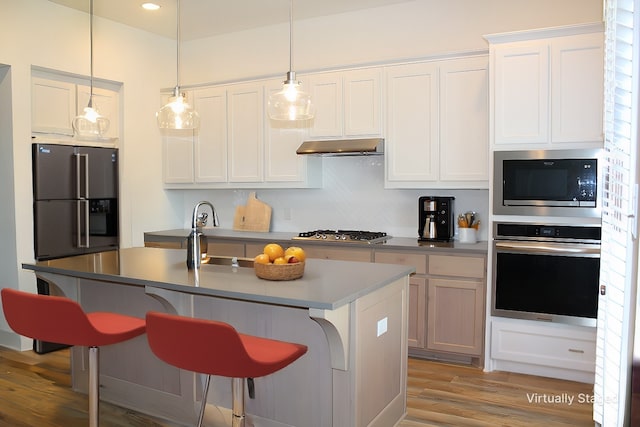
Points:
x=419 y=261
x=456 y=265
x=567 y=348
x=340 y=254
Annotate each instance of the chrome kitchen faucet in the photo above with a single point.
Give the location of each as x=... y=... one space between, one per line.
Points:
x=197 y=242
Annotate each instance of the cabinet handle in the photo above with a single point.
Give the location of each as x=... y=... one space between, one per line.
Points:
x=576 y=350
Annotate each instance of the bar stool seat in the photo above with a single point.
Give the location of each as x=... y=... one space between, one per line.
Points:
x=216 y=348
x=62 y=320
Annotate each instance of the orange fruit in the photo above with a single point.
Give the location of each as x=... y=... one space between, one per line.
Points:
x=273 y=250
x=280 y=260
x=262 y=259
x=296 y=252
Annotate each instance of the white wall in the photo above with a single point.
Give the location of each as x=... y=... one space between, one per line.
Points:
x=397 y=32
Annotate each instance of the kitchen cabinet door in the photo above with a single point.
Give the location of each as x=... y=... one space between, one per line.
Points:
x=362 y=103
x=245 y=132
x=326 y=94
x=107 y=102
x=177 y=156
x=348 y=104
x=53 y=106
x=412 y=124
x=521 y=90
x=177 y=159
x=455 y=316
x=577 y=89
x=417 y=311
x=282 y=139
x=548 y=87
x=211 y=138
x=464 y=121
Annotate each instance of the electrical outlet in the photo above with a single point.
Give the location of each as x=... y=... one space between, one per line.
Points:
x=382 y=326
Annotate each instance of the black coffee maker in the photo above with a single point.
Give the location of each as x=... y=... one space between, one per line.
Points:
x=435 y=219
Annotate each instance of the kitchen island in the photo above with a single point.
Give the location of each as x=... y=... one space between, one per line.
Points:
x=352 y=316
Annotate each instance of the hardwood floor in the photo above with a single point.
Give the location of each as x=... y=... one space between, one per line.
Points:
x=35 y=391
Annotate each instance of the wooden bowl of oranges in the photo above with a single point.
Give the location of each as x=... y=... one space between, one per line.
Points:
x=276 y=263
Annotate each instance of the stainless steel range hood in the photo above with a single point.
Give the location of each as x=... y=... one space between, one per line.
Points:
x=343 y=147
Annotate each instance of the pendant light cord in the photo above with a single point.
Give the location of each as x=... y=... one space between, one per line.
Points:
x=90 y=105
x=290 y=35
x=177 y=48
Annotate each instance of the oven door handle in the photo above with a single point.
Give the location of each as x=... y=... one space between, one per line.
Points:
x=567 y=248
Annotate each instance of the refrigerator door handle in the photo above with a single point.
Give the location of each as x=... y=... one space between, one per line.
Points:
x=83 y=222
x=82 y=179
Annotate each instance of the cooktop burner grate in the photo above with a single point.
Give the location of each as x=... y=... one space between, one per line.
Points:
x=344 y=236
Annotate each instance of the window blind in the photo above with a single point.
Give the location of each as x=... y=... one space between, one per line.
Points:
x=618 y=274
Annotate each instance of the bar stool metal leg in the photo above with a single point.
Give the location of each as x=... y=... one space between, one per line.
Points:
x=94 y=386
x=237 y=391
x=204 y=400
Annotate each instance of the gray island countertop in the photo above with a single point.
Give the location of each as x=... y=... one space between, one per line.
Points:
x=325 y=285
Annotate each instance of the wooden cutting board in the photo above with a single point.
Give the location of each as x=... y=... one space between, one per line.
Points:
x=254 y=216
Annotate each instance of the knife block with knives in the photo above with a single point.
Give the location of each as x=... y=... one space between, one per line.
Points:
x=254 y=216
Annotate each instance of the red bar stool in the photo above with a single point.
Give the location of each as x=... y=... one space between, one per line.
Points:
x=216 y=348
x=59 y=319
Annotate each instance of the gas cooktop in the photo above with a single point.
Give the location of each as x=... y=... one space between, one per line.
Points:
x=344 y=236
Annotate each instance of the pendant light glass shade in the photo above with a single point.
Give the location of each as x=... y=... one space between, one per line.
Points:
x=90 y=124
x=177 y=113
x=291 y=103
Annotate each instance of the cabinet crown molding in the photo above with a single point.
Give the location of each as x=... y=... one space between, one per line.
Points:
x=543 y=33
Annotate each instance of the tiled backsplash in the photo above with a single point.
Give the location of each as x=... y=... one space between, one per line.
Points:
x=353 y=197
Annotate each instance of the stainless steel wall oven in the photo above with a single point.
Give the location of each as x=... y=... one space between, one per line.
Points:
x=546 y=272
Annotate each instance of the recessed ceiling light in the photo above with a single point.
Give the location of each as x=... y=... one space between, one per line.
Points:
x=150 y=6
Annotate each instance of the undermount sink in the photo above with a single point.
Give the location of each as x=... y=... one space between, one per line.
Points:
x=228 y=260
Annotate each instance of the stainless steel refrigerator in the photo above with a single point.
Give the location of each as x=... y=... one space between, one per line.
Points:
x=75 y=200
x=75 y=206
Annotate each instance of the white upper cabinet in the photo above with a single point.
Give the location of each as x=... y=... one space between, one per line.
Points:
x=178 y=149
x=548 y=87
x=55 y=103
x=245 y=121
x=521 y=93
x=577 y=88
x=437 y=124
x=464 y=122
x=282 y=139
x=347 y=104
x=411 y=145
x=53 y=106
x=210 y=146
x=237 y=146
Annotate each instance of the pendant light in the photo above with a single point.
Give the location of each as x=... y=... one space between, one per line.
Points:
x=177 y=113
x=291 y=103
x=91 y=123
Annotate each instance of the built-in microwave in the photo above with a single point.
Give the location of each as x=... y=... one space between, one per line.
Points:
x=547 y=183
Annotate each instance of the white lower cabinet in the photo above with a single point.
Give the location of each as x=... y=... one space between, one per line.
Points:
x=537 y=348
x=437 y=124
